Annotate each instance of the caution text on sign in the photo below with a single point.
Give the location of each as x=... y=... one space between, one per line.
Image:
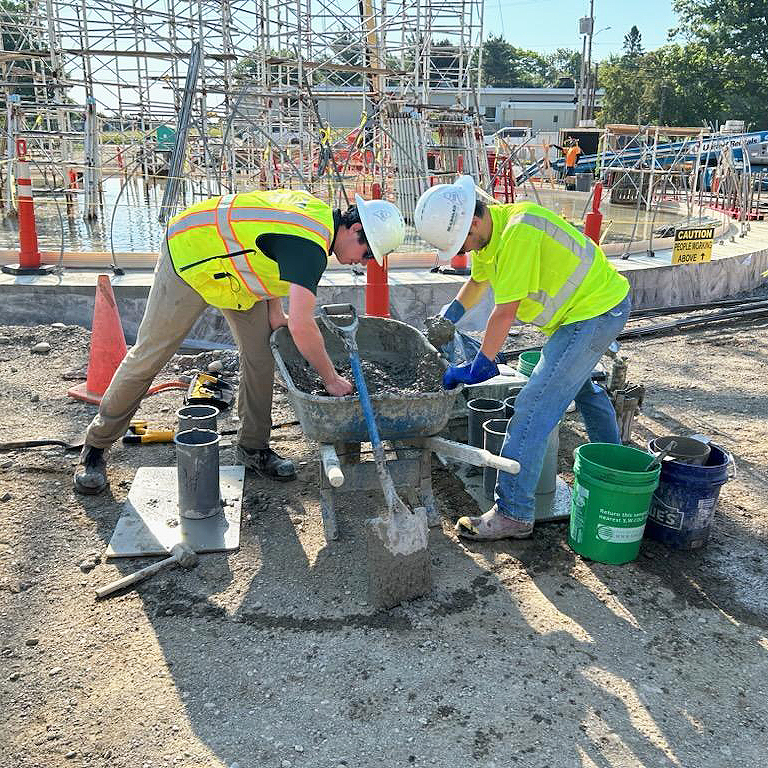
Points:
x=693 y=245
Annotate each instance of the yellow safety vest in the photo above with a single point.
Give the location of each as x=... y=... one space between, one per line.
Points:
x=213 y=243
x=557 y=273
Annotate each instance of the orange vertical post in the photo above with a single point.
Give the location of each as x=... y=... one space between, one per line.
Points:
x=594 y=219
x=29 y=255
x=377 y=285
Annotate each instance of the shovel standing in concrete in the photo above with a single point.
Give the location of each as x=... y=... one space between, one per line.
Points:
x=398 y=557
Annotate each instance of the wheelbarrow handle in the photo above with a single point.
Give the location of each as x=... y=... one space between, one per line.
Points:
x=345 y=332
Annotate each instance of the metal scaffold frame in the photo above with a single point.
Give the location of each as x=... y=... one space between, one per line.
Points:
x=214 y=96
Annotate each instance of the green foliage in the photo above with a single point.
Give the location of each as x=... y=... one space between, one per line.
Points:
x=506 y=66
x=688 y=85
x=20 y=70
x=633 y=43
x=564 y=68
x=735 y=34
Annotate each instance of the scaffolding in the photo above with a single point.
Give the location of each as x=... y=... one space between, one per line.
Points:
x=218 y=96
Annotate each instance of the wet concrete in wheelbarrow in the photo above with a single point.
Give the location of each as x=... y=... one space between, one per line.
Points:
x=383 y=376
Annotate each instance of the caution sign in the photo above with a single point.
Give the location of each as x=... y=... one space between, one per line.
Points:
x=693 y=245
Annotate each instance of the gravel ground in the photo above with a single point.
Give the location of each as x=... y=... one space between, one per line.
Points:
x=523 y=655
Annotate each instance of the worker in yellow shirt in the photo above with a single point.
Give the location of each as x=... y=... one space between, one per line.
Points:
x=241 y=253
x=546 y=273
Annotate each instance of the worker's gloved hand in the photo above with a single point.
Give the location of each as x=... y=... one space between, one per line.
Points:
x=441 y=328
x=480 y=369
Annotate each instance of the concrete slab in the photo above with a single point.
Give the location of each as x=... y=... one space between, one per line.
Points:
x=549 y=506
x=737 y=265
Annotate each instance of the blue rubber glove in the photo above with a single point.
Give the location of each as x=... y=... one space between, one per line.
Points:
x=480 y=369
x=456 y=374
x=454 y=312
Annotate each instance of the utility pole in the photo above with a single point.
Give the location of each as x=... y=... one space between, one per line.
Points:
x=586 y=28
x=590 y=83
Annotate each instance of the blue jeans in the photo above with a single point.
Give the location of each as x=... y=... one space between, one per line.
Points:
x=563 y=374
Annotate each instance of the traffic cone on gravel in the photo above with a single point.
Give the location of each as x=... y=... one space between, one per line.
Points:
x=107 y=345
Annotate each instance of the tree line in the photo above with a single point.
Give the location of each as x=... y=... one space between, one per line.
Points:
x=719 y=71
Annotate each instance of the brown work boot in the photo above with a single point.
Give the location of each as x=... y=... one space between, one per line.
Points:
x=492 y=526
x=266 y=462
x=91 y=473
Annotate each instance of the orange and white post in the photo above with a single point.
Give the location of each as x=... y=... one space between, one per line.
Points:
x=29 y=255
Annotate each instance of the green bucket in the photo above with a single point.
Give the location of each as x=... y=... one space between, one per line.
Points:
x=612 y=493
x=527 y=361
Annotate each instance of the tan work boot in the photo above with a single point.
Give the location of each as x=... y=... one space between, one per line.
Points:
x=492 y=526
x=91 y=473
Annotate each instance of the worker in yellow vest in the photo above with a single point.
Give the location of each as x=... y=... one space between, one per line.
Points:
x=241 y=253
x=546 y=273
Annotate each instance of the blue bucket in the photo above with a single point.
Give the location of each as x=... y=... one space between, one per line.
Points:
x=684 y=503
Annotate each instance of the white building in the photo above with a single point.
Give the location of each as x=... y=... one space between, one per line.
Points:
x=540 y=109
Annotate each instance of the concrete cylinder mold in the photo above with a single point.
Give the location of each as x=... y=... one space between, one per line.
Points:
x=197 y=417
x=197 y=460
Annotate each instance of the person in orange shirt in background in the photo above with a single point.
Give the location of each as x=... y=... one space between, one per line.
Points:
x=571 y=157
x=571 y=150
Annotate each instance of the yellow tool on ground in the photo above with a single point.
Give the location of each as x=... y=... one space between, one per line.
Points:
x=208 y=389
x=139 y=433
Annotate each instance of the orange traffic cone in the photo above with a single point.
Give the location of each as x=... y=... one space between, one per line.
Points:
x=107 y=345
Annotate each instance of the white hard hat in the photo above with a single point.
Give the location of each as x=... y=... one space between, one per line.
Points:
x=383 y=226
x=444 y=214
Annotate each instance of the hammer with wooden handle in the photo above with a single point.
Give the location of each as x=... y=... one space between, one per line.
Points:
x=180 y=553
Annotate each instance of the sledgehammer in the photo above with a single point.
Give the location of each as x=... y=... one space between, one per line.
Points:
x=180 y=553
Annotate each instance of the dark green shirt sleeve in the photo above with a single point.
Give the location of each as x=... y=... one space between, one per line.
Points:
x=299 y=260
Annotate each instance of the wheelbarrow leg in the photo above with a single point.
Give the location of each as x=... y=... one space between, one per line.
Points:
x=425 y=489
x=329 y=514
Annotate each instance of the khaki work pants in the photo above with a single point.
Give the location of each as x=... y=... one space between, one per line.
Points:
x=172 y=309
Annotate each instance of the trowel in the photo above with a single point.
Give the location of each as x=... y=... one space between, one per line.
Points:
x=398 y=557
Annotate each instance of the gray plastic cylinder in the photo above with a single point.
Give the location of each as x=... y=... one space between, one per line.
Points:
x=509 y=406
x=494 y=431
x=479 y=410
x=197 y=462
x=548 y=476
x=197 y=417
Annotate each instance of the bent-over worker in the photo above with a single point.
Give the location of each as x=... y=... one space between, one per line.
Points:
x=546 y=273
x=241 y=253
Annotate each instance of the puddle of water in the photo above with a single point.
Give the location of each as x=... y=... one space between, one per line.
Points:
x=136 y=229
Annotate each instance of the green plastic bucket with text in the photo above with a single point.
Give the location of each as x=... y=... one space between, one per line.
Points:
x=612 y=493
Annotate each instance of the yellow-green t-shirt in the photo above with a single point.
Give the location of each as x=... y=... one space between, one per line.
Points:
x=558 y=275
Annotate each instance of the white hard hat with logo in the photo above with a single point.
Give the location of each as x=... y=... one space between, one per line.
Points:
x=444 y=214
x=383 y=226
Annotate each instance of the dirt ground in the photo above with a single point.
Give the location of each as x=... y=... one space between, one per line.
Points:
x=524 y=654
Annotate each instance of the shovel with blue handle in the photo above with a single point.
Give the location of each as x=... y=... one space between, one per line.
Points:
x=398 y=558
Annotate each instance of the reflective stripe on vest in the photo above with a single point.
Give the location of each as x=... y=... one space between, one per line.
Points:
x=282 y=217
x=238 y=259
x=584 y=253
x=190 y=221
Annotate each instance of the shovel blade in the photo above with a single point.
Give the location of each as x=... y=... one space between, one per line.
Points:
x=398 y=558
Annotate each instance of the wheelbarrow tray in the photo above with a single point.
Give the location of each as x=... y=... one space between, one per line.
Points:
x=340 y=419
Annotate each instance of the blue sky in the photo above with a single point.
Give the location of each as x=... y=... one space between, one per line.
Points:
x=545 y=25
